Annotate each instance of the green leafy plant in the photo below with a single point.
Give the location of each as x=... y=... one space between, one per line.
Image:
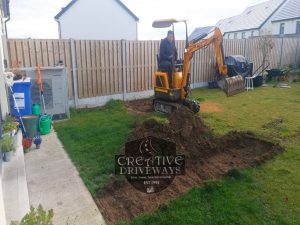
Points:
x=8 y=127
x=7 y=144
x=10 y=124
x=36 y=216
x=286 y=68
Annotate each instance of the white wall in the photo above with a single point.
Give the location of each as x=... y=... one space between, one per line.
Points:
x=3 y=94
x=289 y=27
x=248 y=34
x=97 y=20
x=4 y=109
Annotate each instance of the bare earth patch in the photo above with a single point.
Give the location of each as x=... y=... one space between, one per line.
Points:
x=139 y=106
x=207 y=157
x=210 y=107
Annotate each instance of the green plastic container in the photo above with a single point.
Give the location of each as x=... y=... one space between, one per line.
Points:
x=36 y=109
x=31 y=125
x=45 y=124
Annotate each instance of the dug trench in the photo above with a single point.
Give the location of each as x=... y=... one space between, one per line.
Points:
x=207 y=157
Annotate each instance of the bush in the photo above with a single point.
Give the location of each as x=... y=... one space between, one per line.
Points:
x=9 y=124
x=7 y=144
x=36 y=216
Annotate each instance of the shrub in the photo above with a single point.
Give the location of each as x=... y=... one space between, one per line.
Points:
x=36 y=216
x=7 y=144
x=9 y=124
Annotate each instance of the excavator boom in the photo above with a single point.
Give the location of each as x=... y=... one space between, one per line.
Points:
x=231 y=85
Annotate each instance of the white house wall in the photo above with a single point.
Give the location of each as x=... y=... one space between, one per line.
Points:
x=248 y=34
x=4 y=110
x=289 y=26
x=3 y=94
x=97 y=20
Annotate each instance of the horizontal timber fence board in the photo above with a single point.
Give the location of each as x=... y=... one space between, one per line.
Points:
x=107 y=68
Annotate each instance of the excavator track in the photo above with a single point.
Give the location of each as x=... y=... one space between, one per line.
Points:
x=164 y=106
x=169 y=107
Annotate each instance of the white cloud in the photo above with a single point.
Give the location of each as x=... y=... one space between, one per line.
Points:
x=35 y=18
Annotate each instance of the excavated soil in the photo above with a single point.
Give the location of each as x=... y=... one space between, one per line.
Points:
x=207 y=157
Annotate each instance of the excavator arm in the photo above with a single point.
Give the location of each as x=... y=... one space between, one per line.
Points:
x=215 y=37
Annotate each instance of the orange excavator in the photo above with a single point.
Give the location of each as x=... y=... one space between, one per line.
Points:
x=169 y=94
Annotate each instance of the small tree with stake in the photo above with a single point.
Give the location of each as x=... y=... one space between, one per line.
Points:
x=265 y=44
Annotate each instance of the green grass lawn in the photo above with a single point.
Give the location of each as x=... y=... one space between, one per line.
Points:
x=251 y=110
x=92 y=137
x=268 y=194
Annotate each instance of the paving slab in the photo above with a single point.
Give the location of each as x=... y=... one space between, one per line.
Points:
x=54 y=182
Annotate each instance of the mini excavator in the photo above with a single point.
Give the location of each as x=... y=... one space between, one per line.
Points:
x=169 y=94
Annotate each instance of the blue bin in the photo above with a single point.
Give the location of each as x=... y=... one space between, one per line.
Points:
x=21 y=89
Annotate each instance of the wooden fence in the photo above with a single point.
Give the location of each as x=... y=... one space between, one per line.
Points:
x=100 y=68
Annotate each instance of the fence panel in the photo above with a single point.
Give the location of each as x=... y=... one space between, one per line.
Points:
x=31 y=52
x=234 y=46
x=289 y=51
x=112 y=67
x=253 y=52
x=276 y=56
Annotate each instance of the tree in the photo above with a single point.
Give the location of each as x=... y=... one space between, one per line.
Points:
x=265 y=44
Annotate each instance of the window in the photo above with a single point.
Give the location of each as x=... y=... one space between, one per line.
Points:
x=243 y=35
x=228 y=36
x=235 y=35
x=281 y=28
x=298 y=27
x=252 y=33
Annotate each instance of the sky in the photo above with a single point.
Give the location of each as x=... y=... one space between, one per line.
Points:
x=35 y=18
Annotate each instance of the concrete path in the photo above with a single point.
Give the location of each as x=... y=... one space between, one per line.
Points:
x=53 y=182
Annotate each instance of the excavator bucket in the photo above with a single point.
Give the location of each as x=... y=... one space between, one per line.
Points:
x=234 y=85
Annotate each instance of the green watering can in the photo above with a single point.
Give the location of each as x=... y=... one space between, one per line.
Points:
x=36 y=109
x=45 y=124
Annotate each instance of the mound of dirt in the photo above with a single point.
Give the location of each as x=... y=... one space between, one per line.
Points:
x=207 y=157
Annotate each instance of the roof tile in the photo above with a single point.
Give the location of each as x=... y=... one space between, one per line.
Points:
x=252 y=18
x=290 y=10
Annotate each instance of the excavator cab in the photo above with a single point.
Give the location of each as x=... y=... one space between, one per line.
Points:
x=165 y=88
x=168 y=93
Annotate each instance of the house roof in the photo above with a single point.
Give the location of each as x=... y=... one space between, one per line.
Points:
x=63 y=10
x=200 y=31
x=252 y=18
x=290 y=10
x=4 y=4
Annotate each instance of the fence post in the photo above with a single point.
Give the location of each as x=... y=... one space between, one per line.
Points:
x=281 y=51
x=123 y=66
x=296 y=54
x=245 y=44
x=74 y=70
